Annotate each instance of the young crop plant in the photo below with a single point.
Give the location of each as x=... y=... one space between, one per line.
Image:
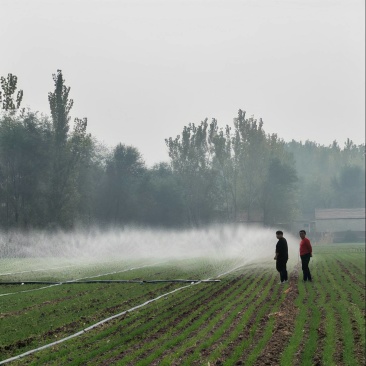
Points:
x=247 y=318
x=207 y=316
x=234 y=324
x=342 y=307
x=188 y=325
x=248 y=349
x=315 y=311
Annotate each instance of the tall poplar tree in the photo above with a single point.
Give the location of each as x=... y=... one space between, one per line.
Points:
x=9 y=87
x=67 y=152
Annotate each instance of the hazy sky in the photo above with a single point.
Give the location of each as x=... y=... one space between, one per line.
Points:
x=142 y=69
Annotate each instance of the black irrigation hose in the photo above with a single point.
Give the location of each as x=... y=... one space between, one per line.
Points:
x=99 y=281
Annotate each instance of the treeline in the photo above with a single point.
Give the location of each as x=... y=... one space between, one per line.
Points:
x=52 y=175
x=329 y=177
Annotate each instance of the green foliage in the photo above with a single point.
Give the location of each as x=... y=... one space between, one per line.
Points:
x=225 y=174
x=279 y=193
x=329 y=177
x=60 y=106
x=162 y=199
x=253 y=152
x=41 y=163
x=349 y=187
x=9 y=86
x=192 y=162
x=123 y=175
x=225 y=162
x=67 y=153
x=25 y=144
x=54 y=174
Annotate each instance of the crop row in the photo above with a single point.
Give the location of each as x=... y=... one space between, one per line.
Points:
x=246 y=319
x=177 y=328
x=330 y=327
x=29 y=320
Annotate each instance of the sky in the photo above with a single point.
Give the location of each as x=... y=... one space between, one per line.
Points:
x=141 y=70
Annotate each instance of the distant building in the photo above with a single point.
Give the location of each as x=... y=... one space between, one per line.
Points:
x=340 y=224
x=305 y=221
x=254 y=217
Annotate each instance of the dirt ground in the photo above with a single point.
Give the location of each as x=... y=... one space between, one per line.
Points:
x=284 y=325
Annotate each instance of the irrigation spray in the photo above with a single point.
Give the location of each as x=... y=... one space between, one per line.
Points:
x=66 y=257
x=39 y=258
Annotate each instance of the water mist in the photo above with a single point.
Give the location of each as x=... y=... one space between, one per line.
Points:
x=36 y=254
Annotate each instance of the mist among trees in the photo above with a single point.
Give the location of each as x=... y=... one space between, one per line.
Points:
x=54 y=174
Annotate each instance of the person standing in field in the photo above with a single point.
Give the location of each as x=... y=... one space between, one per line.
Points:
x=306 y=251
x=281 y=256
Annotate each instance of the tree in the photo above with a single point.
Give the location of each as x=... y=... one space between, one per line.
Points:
x=164 y=204
x=9 y=86
x=191 y=160
x=67 y=151
x=60 y=106
x=349 y=187
x=252 y=152
x=322 y=174
x=278 y=193
x=124 y=172
x=24 y=162
x=90 y=175
x=225 y=162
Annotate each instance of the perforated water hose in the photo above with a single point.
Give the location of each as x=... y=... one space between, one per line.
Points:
x=93 y=326
x=100 y=281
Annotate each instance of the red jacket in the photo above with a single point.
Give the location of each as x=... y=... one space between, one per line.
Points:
x=305 y=246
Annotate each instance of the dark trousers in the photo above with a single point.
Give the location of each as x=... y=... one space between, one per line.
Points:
x=281 y=267
x=305 y=259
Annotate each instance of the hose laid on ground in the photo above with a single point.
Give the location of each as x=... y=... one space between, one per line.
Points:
x=78 y=279
x=83 y=331
x=100 y=281
x=191 y=283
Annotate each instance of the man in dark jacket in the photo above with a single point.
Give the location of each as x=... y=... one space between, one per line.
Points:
x=281 y=256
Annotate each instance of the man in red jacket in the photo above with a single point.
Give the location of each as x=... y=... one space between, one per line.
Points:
x=306 y=251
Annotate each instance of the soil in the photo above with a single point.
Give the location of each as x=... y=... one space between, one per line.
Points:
x=284 y=325
x=338 y=352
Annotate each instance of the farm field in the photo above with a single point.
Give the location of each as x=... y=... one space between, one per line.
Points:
x=245 y=319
